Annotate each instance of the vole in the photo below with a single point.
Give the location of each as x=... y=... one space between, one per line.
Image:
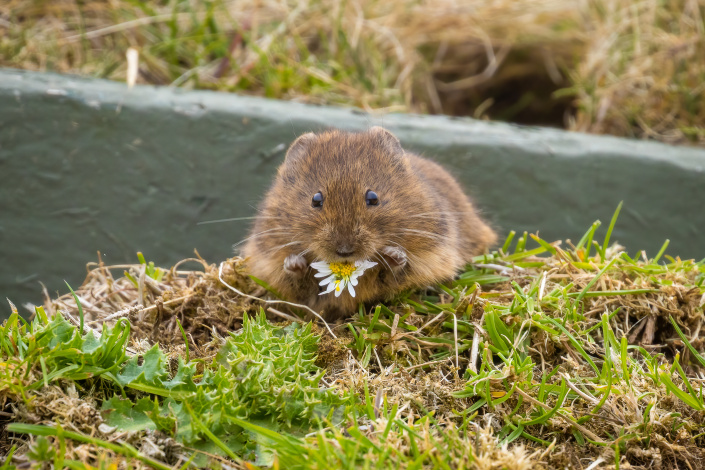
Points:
x=346 y=197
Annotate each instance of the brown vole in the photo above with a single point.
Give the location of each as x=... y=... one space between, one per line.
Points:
x=343 y=196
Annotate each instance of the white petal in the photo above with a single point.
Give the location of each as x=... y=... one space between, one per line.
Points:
x=330 y=289
x=341 y=286
x=353 y=281
x=329 y=279
x=323 y=273
x=320 y=266
x=351 y=289
x=363 y=266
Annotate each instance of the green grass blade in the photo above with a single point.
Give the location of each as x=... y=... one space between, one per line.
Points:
x=606 y=243
x=690 y=347
x=122 y=449
x=80 y=309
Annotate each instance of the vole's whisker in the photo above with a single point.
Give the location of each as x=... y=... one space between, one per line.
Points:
x=425 y=216
x=436 y=216
x=217 y=221
x=279 y=231
x=258 y=209
x=410 y=256
x=442 y=212
x=382 y=259
x=295 y=242
x=392 y=242
x=304 y=252
x=424 y=233
x=277 y=248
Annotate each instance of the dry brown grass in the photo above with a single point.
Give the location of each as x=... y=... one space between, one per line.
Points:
x=644 y=73
x=620 y=67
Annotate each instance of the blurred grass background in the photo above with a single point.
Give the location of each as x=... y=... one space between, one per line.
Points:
x=624 y=67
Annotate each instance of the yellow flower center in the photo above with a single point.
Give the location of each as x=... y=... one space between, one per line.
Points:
x=342 y=270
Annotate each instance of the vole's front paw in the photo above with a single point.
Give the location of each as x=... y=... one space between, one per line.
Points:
x=396 y=257
x=295 y=264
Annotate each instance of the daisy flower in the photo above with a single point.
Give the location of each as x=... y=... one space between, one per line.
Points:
x=340 y=275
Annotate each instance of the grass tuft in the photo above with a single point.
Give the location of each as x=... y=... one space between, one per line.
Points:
x=538 y=356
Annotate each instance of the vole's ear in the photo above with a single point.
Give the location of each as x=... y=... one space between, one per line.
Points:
x=388 y=140
x=299 y=148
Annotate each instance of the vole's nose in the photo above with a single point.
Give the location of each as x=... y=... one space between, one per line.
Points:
x=344 y=251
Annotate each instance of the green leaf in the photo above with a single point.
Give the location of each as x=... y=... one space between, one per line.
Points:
x=129 y=417
x=150 y=372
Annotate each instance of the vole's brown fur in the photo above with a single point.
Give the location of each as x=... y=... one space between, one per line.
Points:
x=424 y=229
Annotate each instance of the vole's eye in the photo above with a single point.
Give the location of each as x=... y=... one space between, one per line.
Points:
x=371 y=198
x=317 y=200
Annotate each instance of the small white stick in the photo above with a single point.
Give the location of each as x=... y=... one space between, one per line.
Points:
x=570 y=385
x=77 y=323
x=595 y=464
x=542 y=287
x=406 y=369
x=126 y=311
x=475 y=345
x=429 y=322
x=455 y=338
x=379 y=363
x=133 y=61
x=285 y=316
x=499 y=268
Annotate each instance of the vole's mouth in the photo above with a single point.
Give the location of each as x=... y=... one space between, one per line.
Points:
x=331 y=258
x=348 y=252
x=350 y=260
x=345 y=252
x=357 y=258
x=337 y=257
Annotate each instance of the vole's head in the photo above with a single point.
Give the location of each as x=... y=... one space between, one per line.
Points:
x=344 y=196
